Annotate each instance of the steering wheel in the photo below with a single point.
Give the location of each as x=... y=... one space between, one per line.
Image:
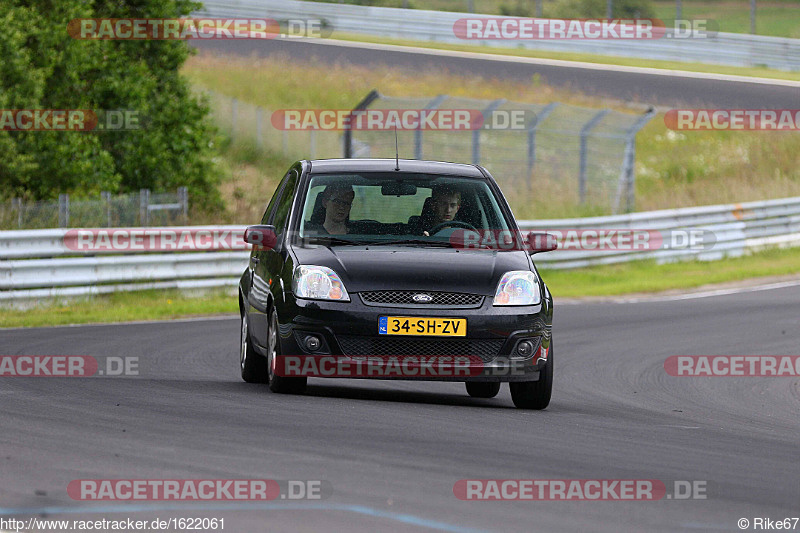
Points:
x=449 y=223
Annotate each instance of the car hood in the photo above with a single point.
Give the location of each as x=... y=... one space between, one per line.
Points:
x=415 y=268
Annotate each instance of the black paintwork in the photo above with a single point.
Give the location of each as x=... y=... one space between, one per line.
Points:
x=267 y=282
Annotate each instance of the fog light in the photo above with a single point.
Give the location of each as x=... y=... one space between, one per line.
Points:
x=525 y=348
x=312 y=343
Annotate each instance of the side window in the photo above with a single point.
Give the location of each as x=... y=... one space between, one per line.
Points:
x=281 y=215
x=275 y=198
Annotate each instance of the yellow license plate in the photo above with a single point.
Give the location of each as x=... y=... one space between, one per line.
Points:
x=414 y=325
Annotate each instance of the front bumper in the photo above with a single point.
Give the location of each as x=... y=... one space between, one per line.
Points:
x=351 y=347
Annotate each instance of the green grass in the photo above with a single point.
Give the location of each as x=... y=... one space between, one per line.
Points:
x=649 y=277
x=609 y=280
x=121 y=307
x=674 y=169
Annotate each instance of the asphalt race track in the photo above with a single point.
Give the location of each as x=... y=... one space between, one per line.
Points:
x=392 y=451
x=661 y=90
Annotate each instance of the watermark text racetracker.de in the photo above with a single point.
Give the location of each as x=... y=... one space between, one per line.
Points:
x=155 y=239
x=402 y=119
x=733 y=119
x=528 y=29
x=198 y=489
x=70 y=120
x=585 y=239
x=197 y=28
x=733 y=365
x=68 y=366
x=579 y=489
x=106 y=524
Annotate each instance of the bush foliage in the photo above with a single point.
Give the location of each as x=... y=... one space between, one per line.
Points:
x=44 y=68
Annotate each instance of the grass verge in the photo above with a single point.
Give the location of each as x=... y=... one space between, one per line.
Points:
x=649 y=277
x=674 y=169
x=122 y=307
x=609 y=280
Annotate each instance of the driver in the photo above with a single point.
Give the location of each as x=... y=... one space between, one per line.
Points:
x=446 y=203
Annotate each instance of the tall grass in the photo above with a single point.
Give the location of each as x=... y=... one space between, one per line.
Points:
x=674 y=169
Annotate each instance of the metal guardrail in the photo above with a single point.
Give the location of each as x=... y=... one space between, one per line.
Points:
x=36 y=264
x=724 y=48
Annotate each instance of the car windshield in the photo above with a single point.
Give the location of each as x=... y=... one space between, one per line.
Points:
x=394 y=208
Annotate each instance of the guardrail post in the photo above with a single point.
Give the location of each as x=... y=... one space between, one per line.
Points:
x=476 y=133
x=144 y=206
x=433 y=104
x=585 y=130
x=348 y=131
x=16 y=204
x=533 y=126
x=63 y=210
x=105 y=196
x=183 y=199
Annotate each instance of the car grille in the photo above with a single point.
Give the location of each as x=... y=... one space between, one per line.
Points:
x=406 y=298
x=485 y=349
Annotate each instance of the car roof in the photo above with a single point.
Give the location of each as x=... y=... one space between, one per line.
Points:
x=388 y=165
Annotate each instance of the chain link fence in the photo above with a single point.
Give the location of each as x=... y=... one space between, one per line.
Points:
x=558 y=149
x=583 y=154
x=138 y=209
x=248 y=123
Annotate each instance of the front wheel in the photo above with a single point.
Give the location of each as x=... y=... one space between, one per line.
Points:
x=478 y=389
x=279 y=384
x=535 y=394
x=252 y=365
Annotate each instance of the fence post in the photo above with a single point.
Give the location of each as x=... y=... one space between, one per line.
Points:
x=183 y=199
x=476 y=132
x=627 y=178
x=144 y=206
x=533 y=126
x=433 y=104
x=234 y=113
x=16 y=203
x=105 y=196
x=312 y=143
x=585 y=130
x=63 y=210
x=348 y=131
x=259 y=136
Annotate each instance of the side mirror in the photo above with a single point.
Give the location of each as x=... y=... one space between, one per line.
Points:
x=261 y=237
x=540 y=241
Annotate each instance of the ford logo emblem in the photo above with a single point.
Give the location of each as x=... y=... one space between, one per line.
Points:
x=422 y=298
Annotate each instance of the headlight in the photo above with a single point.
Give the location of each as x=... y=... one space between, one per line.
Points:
x=318 y=283
x=518 y=287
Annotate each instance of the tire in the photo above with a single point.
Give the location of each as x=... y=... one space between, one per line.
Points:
x=535 y=394
x=279 y=384
x=252 y=365
x=478 y=389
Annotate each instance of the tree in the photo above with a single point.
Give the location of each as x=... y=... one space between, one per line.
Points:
x=44 y=68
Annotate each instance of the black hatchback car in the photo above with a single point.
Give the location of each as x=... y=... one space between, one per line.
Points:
x=386 y=269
